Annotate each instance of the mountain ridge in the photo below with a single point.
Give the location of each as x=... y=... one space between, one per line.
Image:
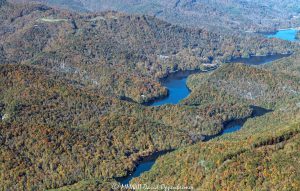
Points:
x=41 y=35
x=243 y=15
x=72 y=87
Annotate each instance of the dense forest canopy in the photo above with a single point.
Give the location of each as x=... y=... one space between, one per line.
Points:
x=263 y=155
x=72 y=84
x=101 y=50
x=244 y=15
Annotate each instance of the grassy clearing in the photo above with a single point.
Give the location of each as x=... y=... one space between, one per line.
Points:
x=52 y=20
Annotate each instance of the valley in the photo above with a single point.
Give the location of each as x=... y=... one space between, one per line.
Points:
x=233 y=127
x=241 y=15
x=90 y=100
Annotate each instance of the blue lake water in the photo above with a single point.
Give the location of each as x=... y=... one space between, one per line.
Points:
x=258 y=60
x=141 y=168
x=177 y=91
x=176 y=84
x=232 y=129
x=146 y=166
x=288 y=34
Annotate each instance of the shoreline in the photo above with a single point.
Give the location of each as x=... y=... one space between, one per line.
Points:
x=181 y=74
x=142 y=160
x=256 y=112
x=277 y=30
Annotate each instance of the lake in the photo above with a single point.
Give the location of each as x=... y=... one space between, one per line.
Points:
x=230 y=127
x=178 y=90
x=146 y=164
x=176 y=82
x=141 y=168
x=287 y=34
x=259 y=60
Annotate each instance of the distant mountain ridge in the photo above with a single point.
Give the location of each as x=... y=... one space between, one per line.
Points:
x=121 y=54
x=246 y=15
x=69 y=117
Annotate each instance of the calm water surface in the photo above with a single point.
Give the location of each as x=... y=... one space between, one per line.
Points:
x=176 y=84
x=232 y=129
x=288 y=34
x=177 y=91
x=141 y=168
x=145 y=166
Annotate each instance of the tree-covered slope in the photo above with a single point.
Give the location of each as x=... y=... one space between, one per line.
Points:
x=265 y=159
x=259 y=87
x=56 y=131
x=298 y=35
x=263 y=155
x=121 y=54
x=64 y=79
x=246 y=15
x=289 y=66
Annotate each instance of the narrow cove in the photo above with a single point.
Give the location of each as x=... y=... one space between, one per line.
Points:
x=176 y=82
x=285 y=34
x=178 y=90
x=146 y=163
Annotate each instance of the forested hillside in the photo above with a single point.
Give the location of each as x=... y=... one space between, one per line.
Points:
x=56 y=132
x=246 y=15
x=72 y=84
x=262 y=156
x=258 y=86
x=121 y=54
x=289 y=66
